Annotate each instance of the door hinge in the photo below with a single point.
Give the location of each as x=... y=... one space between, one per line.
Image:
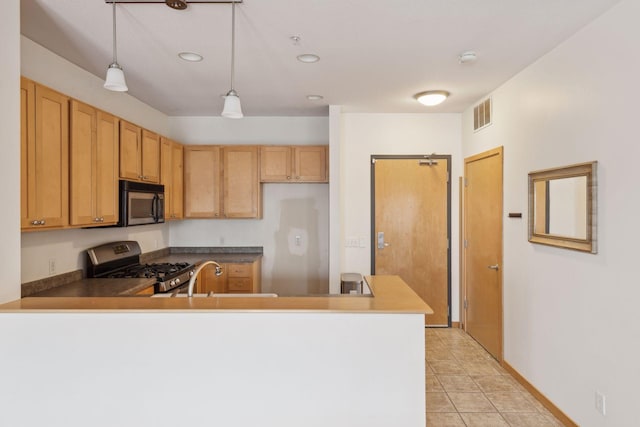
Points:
x=448 y=243
x=466 y=182
x=466 y=244
x=447 y=176
x=466 y=304
x=373 y=161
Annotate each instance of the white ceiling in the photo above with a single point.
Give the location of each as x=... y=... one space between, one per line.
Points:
x=375 y=54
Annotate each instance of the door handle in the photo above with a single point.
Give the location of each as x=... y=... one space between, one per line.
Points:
x=494 y=267
x=381 y=243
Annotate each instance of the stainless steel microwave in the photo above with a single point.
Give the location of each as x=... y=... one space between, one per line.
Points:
x=140 y=203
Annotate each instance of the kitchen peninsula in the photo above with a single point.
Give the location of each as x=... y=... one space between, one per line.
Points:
x=288 y=361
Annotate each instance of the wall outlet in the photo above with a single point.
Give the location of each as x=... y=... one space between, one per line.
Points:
x=298 y=240
x=601 y=403
x=52 y=266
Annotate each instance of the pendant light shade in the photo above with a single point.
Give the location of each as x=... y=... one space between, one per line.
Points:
x=115 y=76
x=232 y=108
x=115 y=79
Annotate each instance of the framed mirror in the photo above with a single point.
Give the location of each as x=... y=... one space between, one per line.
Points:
x=562 y=207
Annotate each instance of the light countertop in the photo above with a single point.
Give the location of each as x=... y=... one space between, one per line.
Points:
x=390 y=294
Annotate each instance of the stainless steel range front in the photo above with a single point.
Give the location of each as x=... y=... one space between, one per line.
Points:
x=121 y=259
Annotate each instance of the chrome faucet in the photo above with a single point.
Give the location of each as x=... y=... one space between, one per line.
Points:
x=192 y=280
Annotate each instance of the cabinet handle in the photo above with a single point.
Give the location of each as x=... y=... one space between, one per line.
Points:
x=37 y=222
x=96 y=219
x=140 y=177
x=288 y=177
x=297 y=177
x=101 y=219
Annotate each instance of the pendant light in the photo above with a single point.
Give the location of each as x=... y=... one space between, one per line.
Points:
x=232 y=108
x=115 y=76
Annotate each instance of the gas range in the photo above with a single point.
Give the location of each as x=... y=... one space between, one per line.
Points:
x=118 y=260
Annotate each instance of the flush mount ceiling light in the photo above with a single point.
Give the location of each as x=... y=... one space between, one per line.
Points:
x=466 y=57
x=190 y=56
x=232 y=108
x=115 y=76
x=315 y=97
x=431 y=97
x=308 y=58
x=176 y=4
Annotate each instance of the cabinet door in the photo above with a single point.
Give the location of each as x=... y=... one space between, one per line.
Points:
x=27 y=152
x=166 y=176
x=47 y=160
x=177 y=169
x=202 y=181
x=150 y=157
x=209 y=282
x=241 y=185
x=275 y=163
x=310 y=163
x=130 y=151
x=82 y=158
x=106 y=168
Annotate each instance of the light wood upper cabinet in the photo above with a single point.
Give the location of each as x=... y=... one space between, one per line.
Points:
x=130 y=151
x=150 y=157
x=304 y=163
x=93 y=166
x=139 y=154
x=241 y=185
x=171 y=176
x=202 y=182
x=222 y=182
x=44 y=148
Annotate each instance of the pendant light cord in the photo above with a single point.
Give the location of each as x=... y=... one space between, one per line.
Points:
x=233 y=40
x=115 y=56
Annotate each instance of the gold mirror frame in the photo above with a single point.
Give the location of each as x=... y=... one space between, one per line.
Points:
x=539 y=207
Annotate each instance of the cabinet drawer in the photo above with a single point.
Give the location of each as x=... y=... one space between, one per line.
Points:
x=239 y=284
x=239 y=270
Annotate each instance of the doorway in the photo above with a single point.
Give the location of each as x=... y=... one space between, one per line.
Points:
x=411 y=229
x=482 y=243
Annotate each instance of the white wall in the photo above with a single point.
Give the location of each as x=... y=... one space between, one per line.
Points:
x=204 y=369
x=10 y=159
x=289 y=210
x=367 y=134
x=570 y=318
x=67 y=247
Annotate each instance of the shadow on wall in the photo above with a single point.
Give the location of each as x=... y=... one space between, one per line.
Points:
x=297 y=268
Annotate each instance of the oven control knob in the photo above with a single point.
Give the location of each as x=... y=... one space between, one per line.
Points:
x=172 y=283
x=177 y=281
x=191 y=273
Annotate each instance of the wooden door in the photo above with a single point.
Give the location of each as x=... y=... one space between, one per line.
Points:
x=106 y=168
x=310 y=163
x=83 y=159
x=202 y=181
x=150 y=157
x=411 y=227
x=241 y=183
x=483 y=249
x=275 y=163
x=130 y=154
x=177 y=180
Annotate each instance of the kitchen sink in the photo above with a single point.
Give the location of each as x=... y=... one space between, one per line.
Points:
x=214 y=295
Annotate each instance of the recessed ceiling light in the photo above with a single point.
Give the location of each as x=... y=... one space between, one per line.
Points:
x=308 y=58
x=190 y=56
x=315 y=97
x=431 y=97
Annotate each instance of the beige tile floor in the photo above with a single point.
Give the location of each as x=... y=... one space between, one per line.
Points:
x=467 y=387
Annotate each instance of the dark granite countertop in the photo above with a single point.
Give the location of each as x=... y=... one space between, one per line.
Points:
x=76 y=286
